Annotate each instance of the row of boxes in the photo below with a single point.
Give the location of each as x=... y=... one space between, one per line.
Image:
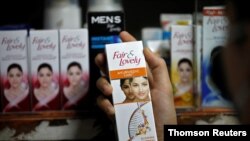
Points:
x=47 y=70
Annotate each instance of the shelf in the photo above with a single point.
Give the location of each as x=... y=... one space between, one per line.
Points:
x=48 y=115
x=190 y=117
x=54 y=125
x=205 y=111
x=54 y=115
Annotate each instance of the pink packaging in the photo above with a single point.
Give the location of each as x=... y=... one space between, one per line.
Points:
x=74 y=64
x=44 y=54
x=14 y=71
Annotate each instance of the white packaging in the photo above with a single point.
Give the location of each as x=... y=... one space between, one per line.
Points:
x=134 y=118
x=215 y=30
x=74 y=60
x=44 y=53
x=182 y=65
x=167 y=20
x=14 y=71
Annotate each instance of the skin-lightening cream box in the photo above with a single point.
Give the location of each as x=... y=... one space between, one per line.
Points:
x=74 y=64
x=215 y=31
x=14 y=71
x=44 y=53
x=131 y=93
x=182 y=67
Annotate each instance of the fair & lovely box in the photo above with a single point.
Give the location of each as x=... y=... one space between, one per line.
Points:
x=182 y=67
x=74 y=64
x=44 y=55
x=215 y=31
x=131 y=93
x=14 y=71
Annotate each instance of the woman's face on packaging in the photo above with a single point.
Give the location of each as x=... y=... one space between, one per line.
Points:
x=45 y=77
x=126 y=89
x=15 y=77
x=140 y=87
x=185 y=72
x=74 y=75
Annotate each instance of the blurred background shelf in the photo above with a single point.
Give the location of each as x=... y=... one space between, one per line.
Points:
x=57 y=115
x=56 y=125
x=206 y=114
x=46 y=115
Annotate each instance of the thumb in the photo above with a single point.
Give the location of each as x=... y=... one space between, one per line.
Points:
x=158 y=69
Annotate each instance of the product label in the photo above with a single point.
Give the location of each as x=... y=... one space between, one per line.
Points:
x=104 y=28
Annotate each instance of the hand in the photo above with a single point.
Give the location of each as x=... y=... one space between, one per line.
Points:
x=160 y=87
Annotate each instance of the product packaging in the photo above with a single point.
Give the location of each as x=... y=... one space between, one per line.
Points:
x=14 y=71
x=74 y=64
x=44 y=58
x=215 y=30
x=182 y=67
x=131 y=93
x=104 y=28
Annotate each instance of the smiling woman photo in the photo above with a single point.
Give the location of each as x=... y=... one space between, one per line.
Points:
x=16 y=90
x=183 y=90
x=140 y=88
x=47 y=91
x=76 y=88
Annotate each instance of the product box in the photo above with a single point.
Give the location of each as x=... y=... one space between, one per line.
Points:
x=14 y=71
x=74 y=64
x=215 y=28
x=104 y=28
x=131 y=93
x=182 y=65
x=167 y=20
x=44 y=57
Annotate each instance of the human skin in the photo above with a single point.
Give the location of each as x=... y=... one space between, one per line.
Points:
x=45 y=78
x=127 y=91
x=15 y=78
x=74 y=76
x=185 y=73
x=140 y=88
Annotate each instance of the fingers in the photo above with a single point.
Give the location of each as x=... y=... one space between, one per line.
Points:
x=103 y=85
x=126 y=37
x=163 y=116
x=158 y=69
x=160 y=101
x=106 y=106
x=100 y=61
